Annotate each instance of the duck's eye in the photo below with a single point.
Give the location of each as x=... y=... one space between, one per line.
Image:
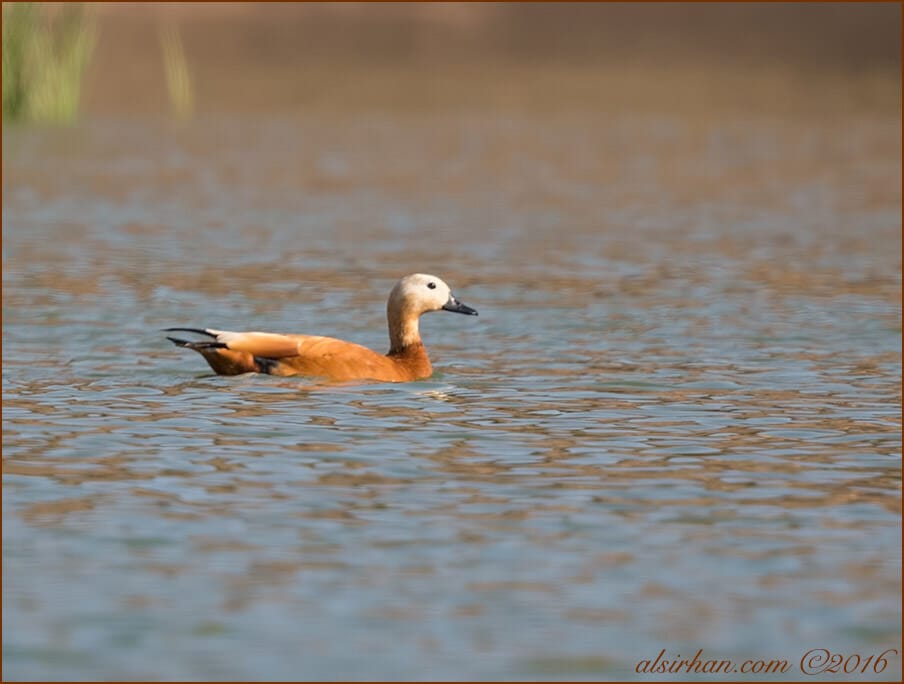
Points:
x=432 y=286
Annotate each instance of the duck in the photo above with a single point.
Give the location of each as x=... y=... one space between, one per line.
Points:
x=236 y=353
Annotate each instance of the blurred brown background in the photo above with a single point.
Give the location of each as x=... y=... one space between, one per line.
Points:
x=266 y=55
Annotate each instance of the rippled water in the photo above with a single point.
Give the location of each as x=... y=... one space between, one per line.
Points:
x=675 y=425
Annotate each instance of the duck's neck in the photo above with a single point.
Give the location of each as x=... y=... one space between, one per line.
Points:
x=406 y=348
x=403 y=332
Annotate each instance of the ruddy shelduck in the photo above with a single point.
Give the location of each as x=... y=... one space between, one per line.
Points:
x=233 y=353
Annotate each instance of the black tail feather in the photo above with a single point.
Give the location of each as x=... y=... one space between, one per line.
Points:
x=197 y=331
x=196 y=345
x=178 y=342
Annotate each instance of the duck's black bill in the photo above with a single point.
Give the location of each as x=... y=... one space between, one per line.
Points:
x=456 y=306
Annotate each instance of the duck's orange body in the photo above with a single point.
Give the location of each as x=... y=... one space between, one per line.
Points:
x=233 y=353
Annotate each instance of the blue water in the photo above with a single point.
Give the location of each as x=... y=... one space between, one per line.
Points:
x=676 y=423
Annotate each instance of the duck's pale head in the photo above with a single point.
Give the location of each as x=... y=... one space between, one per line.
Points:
x=419 y=293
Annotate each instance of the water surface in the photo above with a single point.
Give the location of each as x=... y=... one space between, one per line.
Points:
x=676 y=423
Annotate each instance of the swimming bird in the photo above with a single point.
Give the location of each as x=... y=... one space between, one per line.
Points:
x=233 y=353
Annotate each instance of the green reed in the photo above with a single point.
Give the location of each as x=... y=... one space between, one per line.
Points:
x=45 y=56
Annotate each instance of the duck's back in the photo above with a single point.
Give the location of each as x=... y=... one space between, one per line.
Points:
x=317 y=356
x=328 y=357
